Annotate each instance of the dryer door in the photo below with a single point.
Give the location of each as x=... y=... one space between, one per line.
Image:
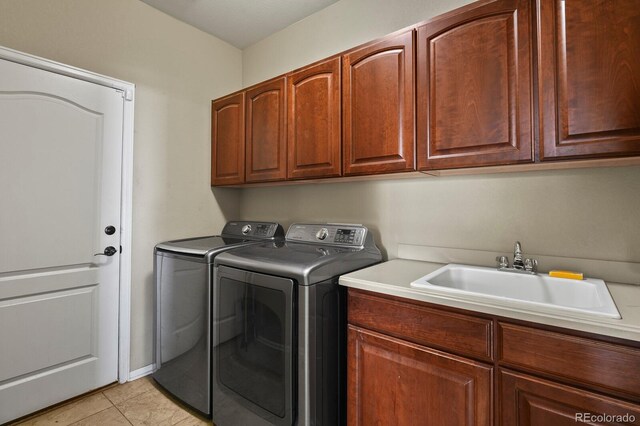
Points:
x=254 y=348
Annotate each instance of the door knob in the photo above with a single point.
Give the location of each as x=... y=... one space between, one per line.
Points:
x=108 y=251
x=110 y=230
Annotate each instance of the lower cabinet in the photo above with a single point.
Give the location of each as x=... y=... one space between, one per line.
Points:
x=527 y=400
x=394 y=382
x=415 y=363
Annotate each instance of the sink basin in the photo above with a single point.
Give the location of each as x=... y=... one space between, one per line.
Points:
x=540 y=292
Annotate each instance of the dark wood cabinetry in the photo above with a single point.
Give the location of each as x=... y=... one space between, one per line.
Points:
x=589 y=78
x=313 y=122
x=493 y=83
x=399 y=378
x=266 y=143
x=411 y=362
x=227 y=140
x=394 y=382
x=527 y=400
x=462 y=334
x=377 y=107
x=599 y=365
x=474 y=79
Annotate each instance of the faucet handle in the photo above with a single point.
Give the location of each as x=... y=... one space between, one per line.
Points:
x=531 y=265
x=503 y=261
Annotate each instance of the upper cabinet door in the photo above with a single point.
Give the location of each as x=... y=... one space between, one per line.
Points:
x=589 y=68
x=378 y=113
x=314 y=121
x=227 y=140
x=266 y=143
x=474 y=99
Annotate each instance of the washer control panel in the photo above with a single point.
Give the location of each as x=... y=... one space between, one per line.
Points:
x=333 y=234
x=252 y=229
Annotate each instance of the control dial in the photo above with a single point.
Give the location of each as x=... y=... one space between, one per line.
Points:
x=246 y=229
x=322 y=234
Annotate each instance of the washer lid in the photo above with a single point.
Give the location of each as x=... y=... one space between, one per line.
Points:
x=306 y=263
x=234 y=234
x=199 y=246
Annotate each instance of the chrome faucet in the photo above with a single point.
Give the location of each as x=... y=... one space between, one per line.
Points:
x=520 y=265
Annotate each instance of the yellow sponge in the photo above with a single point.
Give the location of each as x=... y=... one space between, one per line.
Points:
x=567 y=274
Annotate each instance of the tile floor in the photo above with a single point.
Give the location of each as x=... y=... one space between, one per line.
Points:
x=140 y=402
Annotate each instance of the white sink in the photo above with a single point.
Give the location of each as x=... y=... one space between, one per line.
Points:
x=532 y=292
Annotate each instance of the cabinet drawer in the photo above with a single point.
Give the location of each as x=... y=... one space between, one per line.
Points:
x=453 y=332
x=606 y=366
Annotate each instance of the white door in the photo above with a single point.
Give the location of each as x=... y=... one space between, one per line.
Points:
x=60 y=188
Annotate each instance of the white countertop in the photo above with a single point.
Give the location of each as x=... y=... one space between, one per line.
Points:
x=395 y=276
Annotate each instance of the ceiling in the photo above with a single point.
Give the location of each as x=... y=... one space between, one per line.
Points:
x=240 y=22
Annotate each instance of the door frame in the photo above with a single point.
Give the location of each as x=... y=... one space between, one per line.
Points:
x=128 y=94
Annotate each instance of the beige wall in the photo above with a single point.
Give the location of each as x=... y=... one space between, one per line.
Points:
x=341 y=26
x=589 y=213
x=586 y=213
x=177 y=70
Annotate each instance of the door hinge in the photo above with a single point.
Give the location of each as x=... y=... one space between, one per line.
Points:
x=127 y=95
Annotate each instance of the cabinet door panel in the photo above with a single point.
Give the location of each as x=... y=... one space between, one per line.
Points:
x=227 y=140
x=265 y=126
x=393 y=382
x=589 y=77
x=378 y=114
x=474 y=87
x=526 y=400
x=314 y=121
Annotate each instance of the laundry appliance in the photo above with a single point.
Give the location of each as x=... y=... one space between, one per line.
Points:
x=279 y=326
x=183 y=272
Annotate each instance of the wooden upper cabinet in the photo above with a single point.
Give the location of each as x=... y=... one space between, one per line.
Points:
x=474 y=78
x=589 y=78
x=313 y=122
x=377 y=107
x=266 y=144
x=227 y=140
